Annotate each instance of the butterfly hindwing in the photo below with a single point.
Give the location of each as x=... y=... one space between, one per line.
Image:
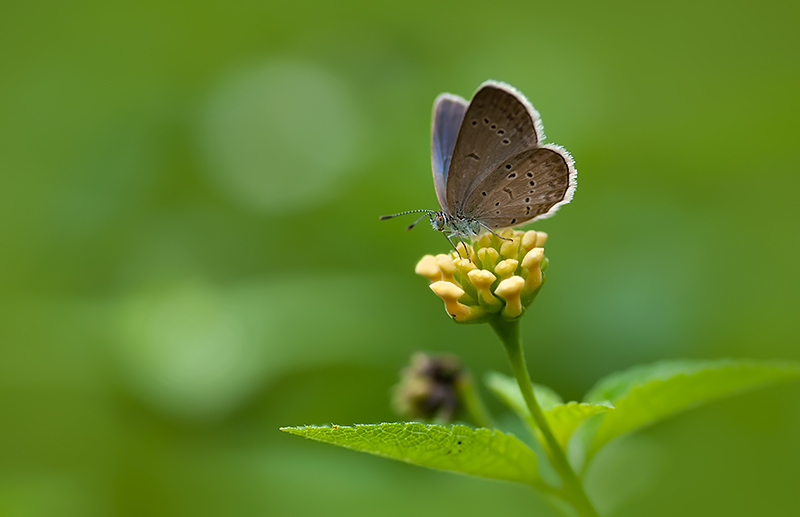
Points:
x=499 y=123
x=448 y=111
x=530 y=185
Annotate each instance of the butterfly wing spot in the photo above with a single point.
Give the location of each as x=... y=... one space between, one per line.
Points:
x=484 y=193
x=532 y=183
x=512 y=175
x=527 y=200
x=480 y=160
x=530 y=174
x=513 y=221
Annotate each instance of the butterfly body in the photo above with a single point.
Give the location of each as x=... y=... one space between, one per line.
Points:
x=455 y=224
x=490 y=168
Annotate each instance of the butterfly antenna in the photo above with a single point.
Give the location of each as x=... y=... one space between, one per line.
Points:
x=416 y=222
x=384 y=217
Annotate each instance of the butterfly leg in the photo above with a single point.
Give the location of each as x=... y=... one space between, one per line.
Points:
x=447 y=236
x=492 y=232
x=466 y=249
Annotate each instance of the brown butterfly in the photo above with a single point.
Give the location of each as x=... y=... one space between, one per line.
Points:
x=490 y=168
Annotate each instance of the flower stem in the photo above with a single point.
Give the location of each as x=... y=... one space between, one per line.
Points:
x=508 y=332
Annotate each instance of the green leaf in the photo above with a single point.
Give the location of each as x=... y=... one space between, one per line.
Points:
x=478 y=452
x=648 y=394
x=507 y=390
x=563 y=418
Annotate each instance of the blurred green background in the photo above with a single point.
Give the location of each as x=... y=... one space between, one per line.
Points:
x=192 y=257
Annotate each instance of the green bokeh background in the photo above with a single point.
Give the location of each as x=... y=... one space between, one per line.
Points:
x=191 y=254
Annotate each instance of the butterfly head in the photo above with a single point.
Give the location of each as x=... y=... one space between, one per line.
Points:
x=438 y=221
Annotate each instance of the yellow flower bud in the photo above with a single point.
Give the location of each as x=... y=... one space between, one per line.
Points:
x=483 y=280
x=510 y=249
x=465 y=265
x=450 y=293
x=510 y=290
x=506 y=268
x=529 y=241
x=428 y=268
x=464 y=251
x=532 y=262
x=485 y=240
x=488 y=257
x=447 y=267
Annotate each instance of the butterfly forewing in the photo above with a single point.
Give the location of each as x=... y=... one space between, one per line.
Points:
x=498 y=124
x=524 y=187
x=448 y=111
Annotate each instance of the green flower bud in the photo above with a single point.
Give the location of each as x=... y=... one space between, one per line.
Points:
x=429 y=388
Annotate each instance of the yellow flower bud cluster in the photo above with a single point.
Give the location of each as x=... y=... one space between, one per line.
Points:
x=493 y=277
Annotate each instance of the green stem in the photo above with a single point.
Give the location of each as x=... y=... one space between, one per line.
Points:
x=473 y=404
x=508 y=332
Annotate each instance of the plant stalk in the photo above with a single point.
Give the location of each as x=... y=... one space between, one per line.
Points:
x=473 y=404
x=508 y=332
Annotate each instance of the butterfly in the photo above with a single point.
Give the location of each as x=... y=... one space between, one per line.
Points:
x=490 y=168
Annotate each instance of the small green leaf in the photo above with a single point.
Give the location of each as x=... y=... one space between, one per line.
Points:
x=648 y=394
x=478 y=452
x=507 y=390
x=563 y=418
